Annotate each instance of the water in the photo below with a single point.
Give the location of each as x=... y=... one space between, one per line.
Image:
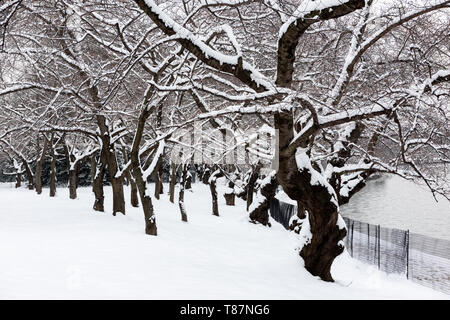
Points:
x=393 y=202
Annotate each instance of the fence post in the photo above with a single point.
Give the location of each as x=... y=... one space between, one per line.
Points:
x=378 y=243
x=407 y=253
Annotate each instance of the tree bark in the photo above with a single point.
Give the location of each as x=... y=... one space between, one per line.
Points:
x=322 y=210
x=136 y=169
x=134 y=194
x=93 y=168
x=134 y=200
x=229 y=195
x=173 y=181
x=259 y=212
x=213 y=188
x=206 y=174
x=158 y=179
x=73 y=182
x=147 y=206
x=29 y=174
x=215 y=208
x=113 y=168
x=97 y=184
x=18 y=179
x=52 y=169
x=251 y=184
x=188 y=180
x=181 y=195
x=39 y=165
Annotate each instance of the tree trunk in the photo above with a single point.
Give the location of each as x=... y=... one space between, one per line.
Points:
x=134 y=194
x=52 y=169
x=212 y=186
x=229 y=199
x=136 y=169
x=97 y=184
x=113 y=168
x=188 y=180
x=18 y=179
x=93 y=170
x=134 y=200
x=158 y=179
x=29 y=174
x=147 y=206
x=230 y=195
x=321 y=206
x=173 y=181
x=118 y=195
x=38 y=178
x=259 y=212
x=215 y=208
x=251 y=184
x=73 y=182
x=181 y=195
x=39 y=165
x=206 y=175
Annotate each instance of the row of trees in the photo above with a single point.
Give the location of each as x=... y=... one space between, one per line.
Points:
x=347 y=88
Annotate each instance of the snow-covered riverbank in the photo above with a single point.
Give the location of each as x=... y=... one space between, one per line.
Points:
x=61 y=249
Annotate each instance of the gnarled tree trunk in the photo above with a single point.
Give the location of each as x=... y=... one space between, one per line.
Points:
x=259 y=210
x=321 y=207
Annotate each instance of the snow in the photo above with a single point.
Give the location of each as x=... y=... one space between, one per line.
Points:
x=341 y=223
x=282 y=196
x=155 y=160
x=184 y=33
x=57 y=248
x=305 y=8
x=434 y=77
x=304 y=163
x=258 y=199
x=305 y=234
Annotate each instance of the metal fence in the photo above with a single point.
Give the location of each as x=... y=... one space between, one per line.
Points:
x=282 y=212
x=420 y=258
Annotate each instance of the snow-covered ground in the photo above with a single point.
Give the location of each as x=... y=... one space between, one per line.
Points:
x=57 y=248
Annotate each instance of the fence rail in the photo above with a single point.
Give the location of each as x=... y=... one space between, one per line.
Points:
x=422 y=259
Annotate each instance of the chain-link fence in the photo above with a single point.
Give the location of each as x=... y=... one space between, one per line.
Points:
x=282 y=212
x=420 y=258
